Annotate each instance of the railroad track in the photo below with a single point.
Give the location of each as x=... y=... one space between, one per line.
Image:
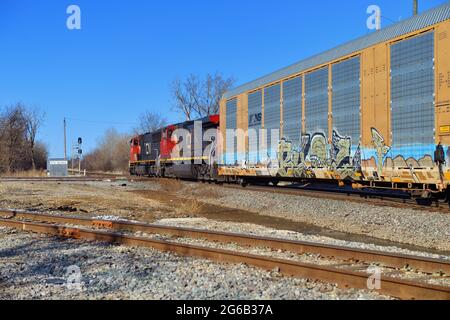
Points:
x=396 y=287
x=355 y=197
x=68 y=179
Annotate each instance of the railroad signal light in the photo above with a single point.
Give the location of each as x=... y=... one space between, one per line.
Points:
x=80 y=141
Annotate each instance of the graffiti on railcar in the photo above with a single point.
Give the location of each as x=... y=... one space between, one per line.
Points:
x=340 y=150
x=318 y=151
x=344 y=157
x=313 y=153
x=381 y=149
x=397 y=160
x=448 y=156
x=357 y=160
x=291 y=161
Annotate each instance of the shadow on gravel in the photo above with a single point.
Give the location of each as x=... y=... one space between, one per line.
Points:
x=42 y=259
x=45 y=262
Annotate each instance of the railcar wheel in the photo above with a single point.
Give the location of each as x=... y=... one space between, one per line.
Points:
x=242 y=182
x=447 y=197
x=424 y=201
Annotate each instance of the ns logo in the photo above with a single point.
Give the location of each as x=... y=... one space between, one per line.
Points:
x=255 y=119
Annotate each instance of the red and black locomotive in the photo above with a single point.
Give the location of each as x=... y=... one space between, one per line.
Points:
x=177 y=151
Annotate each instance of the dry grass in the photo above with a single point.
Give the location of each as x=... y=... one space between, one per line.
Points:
x=26 y=174
x=191 y=206
x=171 y=185
x=103 y=173
x=204 y=191
x=200 y=190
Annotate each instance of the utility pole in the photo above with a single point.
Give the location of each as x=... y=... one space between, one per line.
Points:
x=415 y=7
x=65 y=143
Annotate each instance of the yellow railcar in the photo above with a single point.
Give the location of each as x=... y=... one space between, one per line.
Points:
x=372 y=112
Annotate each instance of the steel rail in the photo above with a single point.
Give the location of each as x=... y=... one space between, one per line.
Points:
x=404 y=289
x=395 y=260
x=372 y=199
x=66 y=179
x=53 y=180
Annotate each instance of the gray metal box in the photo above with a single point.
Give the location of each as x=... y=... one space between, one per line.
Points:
x=57 y=167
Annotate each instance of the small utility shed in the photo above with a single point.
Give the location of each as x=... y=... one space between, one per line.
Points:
x=57 y=167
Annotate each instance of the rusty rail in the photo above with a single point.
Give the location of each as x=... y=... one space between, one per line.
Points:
x=95 y=178
x=60 y=179
x=403 y=289
x=395 y=260
x=345 y=196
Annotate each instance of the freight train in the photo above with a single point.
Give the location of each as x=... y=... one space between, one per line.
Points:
x=177 y=151
x=372 y=113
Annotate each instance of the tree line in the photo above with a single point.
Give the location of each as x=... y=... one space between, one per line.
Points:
x=19 y=149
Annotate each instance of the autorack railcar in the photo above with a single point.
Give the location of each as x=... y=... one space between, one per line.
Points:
x=374 y=112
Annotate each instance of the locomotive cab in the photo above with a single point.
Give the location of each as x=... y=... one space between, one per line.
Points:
x=135 y=149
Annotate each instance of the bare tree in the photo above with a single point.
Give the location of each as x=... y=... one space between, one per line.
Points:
x=213 y=89
x=182 y=95
x=111 y=154
x=34 y=118
x=40 y=155
x=197 y=97
x=13 y=136
x=18 y=130
x=150 y=122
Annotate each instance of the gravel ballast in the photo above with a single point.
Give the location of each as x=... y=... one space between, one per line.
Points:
x=404 y=225
x=36 y=267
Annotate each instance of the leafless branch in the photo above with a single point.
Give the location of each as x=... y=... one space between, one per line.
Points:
x=197 y=97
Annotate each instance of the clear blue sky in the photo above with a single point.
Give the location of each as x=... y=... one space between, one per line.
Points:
x=124 y=58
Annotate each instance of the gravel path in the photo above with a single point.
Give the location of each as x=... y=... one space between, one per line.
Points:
x=35 y=267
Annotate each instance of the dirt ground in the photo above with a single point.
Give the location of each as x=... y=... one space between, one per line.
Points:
x=88 y=199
